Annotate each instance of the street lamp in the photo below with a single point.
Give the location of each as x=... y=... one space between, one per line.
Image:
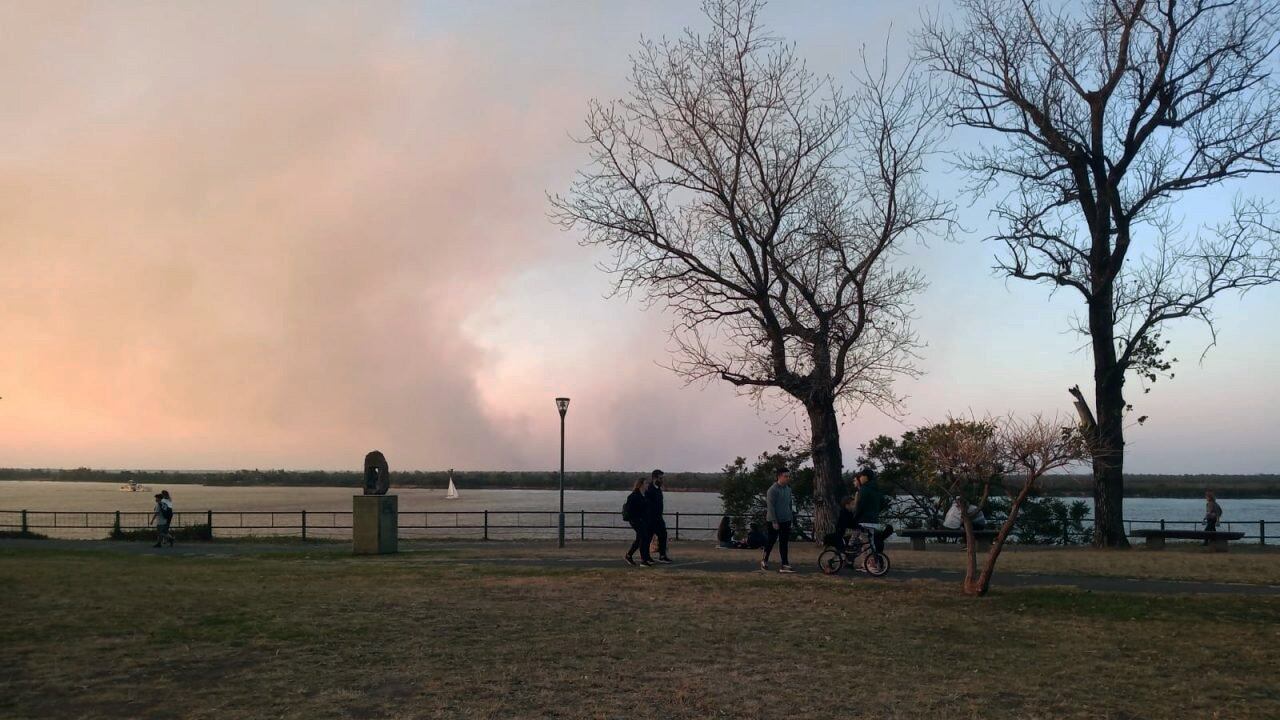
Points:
x=562 y=404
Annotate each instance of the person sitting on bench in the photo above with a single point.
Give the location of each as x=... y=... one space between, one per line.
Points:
x=955 y=517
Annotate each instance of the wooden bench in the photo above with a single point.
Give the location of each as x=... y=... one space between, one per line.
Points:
x=1217 y=540
x=919 y=535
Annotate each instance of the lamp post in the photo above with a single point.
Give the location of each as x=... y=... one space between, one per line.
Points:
x=562 y=404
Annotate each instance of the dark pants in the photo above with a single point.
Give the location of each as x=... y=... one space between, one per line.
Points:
x=1210 y=525
x=643 y=536
x=780 y=535
x=658 y=526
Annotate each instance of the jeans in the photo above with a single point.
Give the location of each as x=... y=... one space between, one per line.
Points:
x=641 y=543
x=780 y=535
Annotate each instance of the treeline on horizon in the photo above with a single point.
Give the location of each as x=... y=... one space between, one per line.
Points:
x=1136 y=485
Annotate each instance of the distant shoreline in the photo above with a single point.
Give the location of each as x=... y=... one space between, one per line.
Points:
x=1260 y=486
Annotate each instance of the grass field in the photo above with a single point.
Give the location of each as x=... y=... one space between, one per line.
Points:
x=319 y=634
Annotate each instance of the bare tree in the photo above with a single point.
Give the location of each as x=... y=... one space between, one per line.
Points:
x=762 y=205
x=966 y=459
x=1108 y=111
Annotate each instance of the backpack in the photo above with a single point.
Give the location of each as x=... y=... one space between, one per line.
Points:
x=166 y=511
x=626 y=512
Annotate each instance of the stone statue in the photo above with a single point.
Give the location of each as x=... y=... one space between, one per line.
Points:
x=377 y=476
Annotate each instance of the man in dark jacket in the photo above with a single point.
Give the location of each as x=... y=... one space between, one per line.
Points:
x=867 y=502
x=653 y=504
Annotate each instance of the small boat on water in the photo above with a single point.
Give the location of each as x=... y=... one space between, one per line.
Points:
x=452 y=494
x=134 y=486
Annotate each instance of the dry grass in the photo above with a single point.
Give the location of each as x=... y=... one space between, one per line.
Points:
x=1181 y=561
x=109 y=635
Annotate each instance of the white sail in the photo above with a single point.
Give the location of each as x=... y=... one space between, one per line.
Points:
x=453 y=491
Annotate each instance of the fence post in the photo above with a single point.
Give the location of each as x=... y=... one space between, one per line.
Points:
x=208 y=518
x=486 y=524
x=24 y=522
x=304 y=524
x=1161 y=524
x=677 y=526
x=582 y=523
x=1262 y=532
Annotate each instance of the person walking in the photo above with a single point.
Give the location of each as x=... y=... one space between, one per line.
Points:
x=161 y=516
x=653 y=505
x=635 y=513
x=1212 y=513
x=778 y=516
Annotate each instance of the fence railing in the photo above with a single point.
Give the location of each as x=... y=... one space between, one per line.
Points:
x=475 y=524
x=479 y=524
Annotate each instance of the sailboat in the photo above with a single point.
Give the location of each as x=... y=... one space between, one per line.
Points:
x=452 y=494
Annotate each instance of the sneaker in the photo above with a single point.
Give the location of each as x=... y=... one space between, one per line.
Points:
x=785 y=569
x=630 y=560
x=764 y=565
x=646 y=563
x=664 y=560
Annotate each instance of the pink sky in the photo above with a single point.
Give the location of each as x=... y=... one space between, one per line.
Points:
x=245 y=235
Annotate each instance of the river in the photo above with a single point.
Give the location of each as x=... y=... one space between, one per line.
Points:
x=536 y=507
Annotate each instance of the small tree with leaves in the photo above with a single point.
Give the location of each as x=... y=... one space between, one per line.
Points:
x=967 y=459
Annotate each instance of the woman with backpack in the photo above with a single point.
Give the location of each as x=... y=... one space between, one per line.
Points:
x=635 y=512
x=162 y=515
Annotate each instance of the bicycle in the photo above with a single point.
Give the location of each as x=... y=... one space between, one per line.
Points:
x=863 y=555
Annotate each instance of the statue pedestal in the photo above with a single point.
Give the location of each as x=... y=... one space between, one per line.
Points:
x=374 y=524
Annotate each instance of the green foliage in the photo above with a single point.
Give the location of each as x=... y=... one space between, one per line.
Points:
x=898 y=464
x=742 y=490
x=1044 y=521
x=929 y=466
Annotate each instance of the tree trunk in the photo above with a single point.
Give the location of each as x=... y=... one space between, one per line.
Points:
x=828 y=466
x=982 y=584
x=1108 y=446
x=1108 y=469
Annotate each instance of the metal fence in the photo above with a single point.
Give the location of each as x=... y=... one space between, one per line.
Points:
x=336 y=524
x=472 y=524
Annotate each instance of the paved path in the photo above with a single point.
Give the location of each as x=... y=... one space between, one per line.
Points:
x=744 y=563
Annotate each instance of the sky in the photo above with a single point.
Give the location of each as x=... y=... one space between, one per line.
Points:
x=279 y=235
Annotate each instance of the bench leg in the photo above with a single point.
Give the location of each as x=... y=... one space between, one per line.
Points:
x=983 y=544
x=1155 y=542
x=1217 y=546
x=917 y=543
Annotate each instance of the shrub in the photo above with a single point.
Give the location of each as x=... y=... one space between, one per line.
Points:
x=1045 y=521
x=743 y=489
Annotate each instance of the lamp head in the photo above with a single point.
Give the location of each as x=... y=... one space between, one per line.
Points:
x=562 y=404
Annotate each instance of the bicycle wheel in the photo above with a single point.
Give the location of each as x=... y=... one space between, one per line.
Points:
x=830 y=561
x=875 y=563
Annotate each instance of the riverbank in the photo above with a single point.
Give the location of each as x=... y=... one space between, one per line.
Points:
x=317 y=633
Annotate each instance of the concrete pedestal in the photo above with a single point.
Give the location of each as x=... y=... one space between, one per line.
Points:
x=374 y=524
